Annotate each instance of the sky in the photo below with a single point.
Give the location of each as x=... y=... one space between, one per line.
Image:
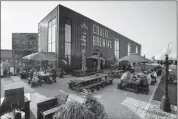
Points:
x=150 y=23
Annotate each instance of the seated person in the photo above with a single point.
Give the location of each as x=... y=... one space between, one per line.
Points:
x=153 y=74
x=149 y=78
x=60 y=73
x=144 y=80
x=49 y=69
x=144 y=83
x=53 y=71
x=35 y=79
x=31 y=74
x=126 y=77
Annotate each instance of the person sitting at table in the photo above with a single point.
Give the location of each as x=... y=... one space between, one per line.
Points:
x=144 y=83
x=126 y=77
x=49 y=69
x=60 y=73
x=153 y=74
x=149 y=78
x=31 y=75
x=35 y=79
x=53 y=71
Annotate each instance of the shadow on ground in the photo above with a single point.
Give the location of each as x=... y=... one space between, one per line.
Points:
x=172 y=92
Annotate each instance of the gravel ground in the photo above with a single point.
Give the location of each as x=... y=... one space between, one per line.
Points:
x=154 y=112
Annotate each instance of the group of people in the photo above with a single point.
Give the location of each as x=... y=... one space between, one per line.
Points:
x=34 y=75
x=145 y=78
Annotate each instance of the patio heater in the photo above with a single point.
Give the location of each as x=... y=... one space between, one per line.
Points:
x=165 y=105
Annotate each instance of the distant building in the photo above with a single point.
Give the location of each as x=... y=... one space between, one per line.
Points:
x=68 y=34
x=6 y=55
x=23 y=44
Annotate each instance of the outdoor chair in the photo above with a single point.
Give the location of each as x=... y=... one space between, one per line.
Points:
x=143 y=88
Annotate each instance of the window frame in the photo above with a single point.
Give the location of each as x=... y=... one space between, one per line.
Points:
x=52 y=23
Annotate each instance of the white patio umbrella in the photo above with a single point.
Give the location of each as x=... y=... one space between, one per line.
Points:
x=41 y=56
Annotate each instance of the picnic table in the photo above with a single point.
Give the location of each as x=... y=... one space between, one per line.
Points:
x=79 y=72
x=132 y=85
x=117 y=73
x=45 y=77
x=90 y=82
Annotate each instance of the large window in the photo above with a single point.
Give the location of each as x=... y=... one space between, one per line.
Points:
x=52 y=36
x=39 y=38
x=136 y=50
x=68 y=40
x=116 y=48
x=129 y=49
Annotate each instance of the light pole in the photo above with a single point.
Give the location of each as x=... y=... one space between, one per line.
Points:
x=165 y=105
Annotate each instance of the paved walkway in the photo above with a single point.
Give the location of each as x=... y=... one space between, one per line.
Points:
x=119 y=104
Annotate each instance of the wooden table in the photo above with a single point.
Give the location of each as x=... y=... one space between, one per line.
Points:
x=88 y=82
x=133 y=85
x=45 y=77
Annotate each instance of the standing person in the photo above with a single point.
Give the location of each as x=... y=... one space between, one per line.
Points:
x=31 y=75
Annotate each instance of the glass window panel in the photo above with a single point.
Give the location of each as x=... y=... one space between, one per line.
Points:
x=110 y=44
x=104 y=43
x=68 y=48
x=67 y=33
x=49 y=47
x=116 y=45
x=105 y=33
x=68 y=58
x=115 y=53
x=100 y=31
x=49 y=35
x=54 y=21
x=54 y=47
x=136 y=49
x=49 y=24
x=53 y=33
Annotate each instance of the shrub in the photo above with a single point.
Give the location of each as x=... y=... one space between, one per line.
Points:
x=73 y=110
x=96 y=107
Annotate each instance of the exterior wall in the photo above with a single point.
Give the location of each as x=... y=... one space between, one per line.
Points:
x=77 y=19
x=6 y=55
x=43 y=30
x=23 y=44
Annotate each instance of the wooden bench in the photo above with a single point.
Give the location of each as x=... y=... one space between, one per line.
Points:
x=49 y=113
x=46 y=108
x=99 y=84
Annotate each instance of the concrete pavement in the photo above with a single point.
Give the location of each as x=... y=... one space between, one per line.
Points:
x=119 y=104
